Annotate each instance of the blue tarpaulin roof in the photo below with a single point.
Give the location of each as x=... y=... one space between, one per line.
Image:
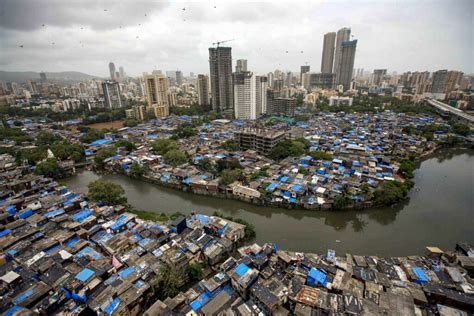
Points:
x=316 y=276
x=420 y=274
x=271 y=187
x=126 y=272
x=241 y=269
x=23 y=296
x=54 y=213
x=199 y=302
x=100 y=142
x=5 y=232
x=203 y=219
x=88 y=251
x=296 y=187
x=15 y=309
x=84 y=275
x=112 y=306
x=82 y=215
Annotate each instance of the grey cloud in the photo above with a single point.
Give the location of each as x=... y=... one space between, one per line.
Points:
x=98 y=14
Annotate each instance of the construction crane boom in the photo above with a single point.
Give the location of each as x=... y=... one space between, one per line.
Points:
x=221 y=42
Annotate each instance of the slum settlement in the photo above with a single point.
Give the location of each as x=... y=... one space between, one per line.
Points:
x=61 y=253
x=331 y=161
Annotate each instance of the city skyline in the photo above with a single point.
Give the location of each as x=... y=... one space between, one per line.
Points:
x=144 y=37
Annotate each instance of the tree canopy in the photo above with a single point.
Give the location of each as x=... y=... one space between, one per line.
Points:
x=163 y=145
x=175 y=157
x=106 y=192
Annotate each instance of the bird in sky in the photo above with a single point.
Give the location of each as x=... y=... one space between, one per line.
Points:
x=21 y=46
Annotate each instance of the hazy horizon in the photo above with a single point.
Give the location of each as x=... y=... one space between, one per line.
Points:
x=142 y=36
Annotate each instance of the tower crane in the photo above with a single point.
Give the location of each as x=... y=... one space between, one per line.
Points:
x=221 y=42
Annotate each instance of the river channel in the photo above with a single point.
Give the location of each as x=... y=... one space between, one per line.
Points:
x=440 y=212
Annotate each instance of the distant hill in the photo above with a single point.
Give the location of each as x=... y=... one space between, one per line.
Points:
x=23 y=76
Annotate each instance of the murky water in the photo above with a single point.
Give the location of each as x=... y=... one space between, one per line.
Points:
x=440 y=212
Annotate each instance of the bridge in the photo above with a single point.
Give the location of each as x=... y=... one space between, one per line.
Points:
x=443 y=107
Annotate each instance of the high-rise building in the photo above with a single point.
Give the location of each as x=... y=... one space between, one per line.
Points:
x=288 y=77
x=137 y=112
x=276 y=105
x=203 y=92
x=179 y=78
x=156 y=86
x=378 y=76
x=43 y=78
x=220 y=63
x=270 y=78
x=112 y=95
x=321 y=80
x=346 y=66
x=112 y=70
x=249 y=95
x=343 y=35
x=453 y=79
x=439 y=81
x=327 y=59
x=33 y=86
x=122 y=72
x=241 y=65
x=304 y=69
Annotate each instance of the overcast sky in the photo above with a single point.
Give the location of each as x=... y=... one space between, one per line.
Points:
x=63 y=35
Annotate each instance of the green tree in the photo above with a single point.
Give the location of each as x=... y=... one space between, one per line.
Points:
x=366 y=191
x=33 y=155
x=461 y=129
x=287 y=148
x=195 y=270
x=106 y=192
x=230 y=145
x=162 y=146
x=175 y=157
x=63 y=150
x=320 y=155
x=167 y=282
x=230 y=175
x=131 y=122
x=184 y=131
x=136 y=170
x=207 y=165
x=46 y=138
x=49 y=168
x=103 y=154
x=129 y=146
x=92 y=135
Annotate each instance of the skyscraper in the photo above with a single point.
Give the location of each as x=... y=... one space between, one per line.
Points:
x=203 y=92
x=453 y=79
x=270 y=79
x=112 y=95
x=343 y=35
x=179 y=77
x=112 y=70
x=122 y=72
x=220 y=63
x=241 y=65
x=304 y=69
x=157 y=93
x=378 y=76
x=346 y=67
x=43 y=78
x=439 y=81
x=327 y=59
x=249 y=95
